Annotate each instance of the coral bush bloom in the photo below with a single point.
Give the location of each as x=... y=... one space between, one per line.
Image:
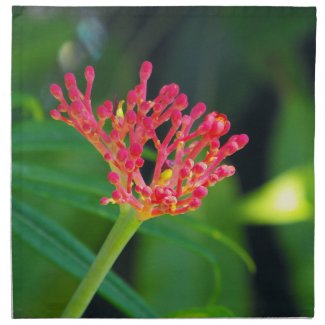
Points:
x=188 y=160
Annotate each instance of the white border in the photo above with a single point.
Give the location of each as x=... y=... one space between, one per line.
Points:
x=5 y=150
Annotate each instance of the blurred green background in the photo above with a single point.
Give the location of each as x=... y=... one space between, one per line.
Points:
x=248 y=251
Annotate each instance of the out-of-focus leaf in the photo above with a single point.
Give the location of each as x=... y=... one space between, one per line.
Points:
x=217 y=235
x=209 y=311
x=285 y=199
x=54 y=242
x=28 y=104
x=84 y=194
x=53 y=136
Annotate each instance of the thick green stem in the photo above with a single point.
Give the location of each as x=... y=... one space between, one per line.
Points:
x=122 y=231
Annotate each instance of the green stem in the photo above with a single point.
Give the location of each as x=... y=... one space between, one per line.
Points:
x=124 y=228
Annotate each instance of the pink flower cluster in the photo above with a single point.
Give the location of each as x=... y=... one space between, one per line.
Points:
x=187 y=162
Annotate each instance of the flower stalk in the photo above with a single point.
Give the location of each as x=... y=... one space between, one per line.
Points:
x=123 y=230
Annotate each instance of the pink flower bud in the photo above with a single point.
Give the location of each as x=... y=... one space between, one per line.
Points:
x=198 y=110
x=189 y=163
x=129 y=165
x=146 y=191
x=116 y=195
x=103 y=112
x=90 y=73
x=172 y=90
x=56 y=115
x=176 y=118
x=136 y=149
x=184 y=173
x=104 y=201
x=76 y=108
x=56 y=91
x=108 y=156
x=145 y=71
x=195 y=203
x=147 y=122
x=115 y=135
x=113 y=178
x=214 y=144
x=145 y=107
x=200 y=192
x=242 y=140
x=70 y=80
x=86 y=128
x=122 y=154
x=139 y=162
x=73 y=93
x=131 y=98
x=199 y=168
x=181 y=101
x=131 y=117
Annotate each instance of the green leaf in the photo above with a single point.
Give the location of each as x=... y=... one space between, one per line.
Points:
x=54 y=242
x=285 y=199
x=84 y=194
x=50 y=135
x=206 y=312
x=217 y=235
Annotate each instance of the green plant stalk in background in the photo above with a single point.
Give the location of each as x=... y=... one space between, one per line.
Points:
x=124 y=228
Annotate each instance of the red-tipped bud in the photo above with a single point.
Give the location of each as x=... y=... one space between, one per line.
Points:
x=195 y=203
x=199 y=168
x=181 y=101
x=186 y=120
x=129 y=165
x=172 y=90
x=122 y=154
x=163 y=90
x=131 y=98
x=113 y=177
x=76 y=108
x=159 y=193
x=217 y=128
x=86 y=128
x=108 y=156
x=145 y=71
x=103 y=112
x=131 y=117
x=176 y=118
x=226 y=128
x=73 y=93
x=242 y=140
x=198 y=110
x=205 y=127
x=136 y=149
x=200 y=192
x=70 y=80
x=214 y=144
x=104 y=201
x=139 y=90
x=189 y=163
x=225 y=171
x=116 y=195
x=56 y=115
x=139 y=162
x=145 y=107
x=114 y=135
x=146 y=191
x=147 y=122
x=109 y=105
x=56 y=91
x=157 y=108
x=184 y=172
x=89 y=73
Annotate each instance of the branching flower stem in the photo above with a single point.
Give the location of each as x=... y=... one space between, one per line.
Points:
x=123 y=230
